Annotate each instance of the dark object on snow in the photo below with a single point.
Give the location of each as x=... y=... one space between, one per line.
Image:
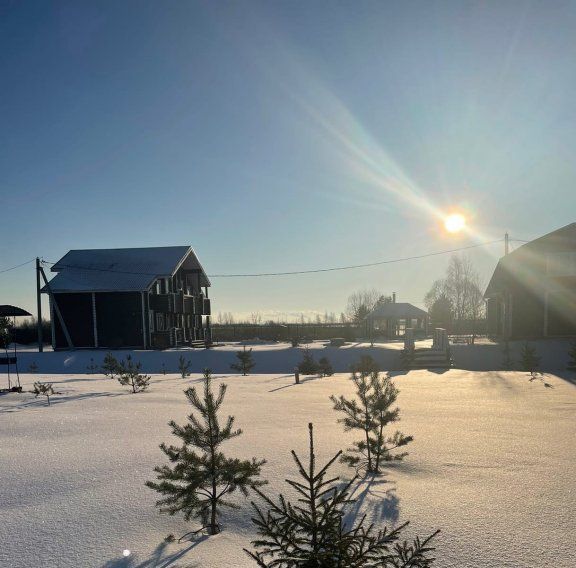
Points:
x=44 y=389
x=203 y=477
x=313 y=533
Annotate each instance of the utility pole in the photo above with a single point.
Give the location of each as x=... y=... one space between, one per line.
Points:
x=506 y=244
x=39 y=308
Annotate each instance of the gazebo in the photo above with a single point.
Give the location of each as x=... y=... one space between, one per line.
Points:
x=7 y=311
x=392 y=319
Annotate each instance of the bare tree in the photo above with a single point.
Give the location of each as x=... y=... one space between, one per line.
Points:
x=255 y=318
x=361 y=303
x=461 y=289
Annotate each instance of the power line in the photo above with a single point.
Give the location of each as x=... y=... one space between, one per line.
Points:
x=293 y=272
x=17 y=266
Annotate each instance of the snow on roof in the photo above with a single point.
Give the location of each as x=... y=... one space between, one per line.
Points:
x=397 y=310
x=116 y=270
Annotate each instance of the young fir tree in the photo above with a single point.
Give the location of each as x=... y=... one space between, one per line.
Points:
x=245 y=361
x=572 y=357
x=365 y=364
x=312 y=533
x=202 y=477
x=44 y=389
x=183 y=367
x=370 y=413
x=33 y=367
x=530 y=363
x=110 y=366
x=129 y=374
x=325 y=367
x=92 y=367
x=307 y=366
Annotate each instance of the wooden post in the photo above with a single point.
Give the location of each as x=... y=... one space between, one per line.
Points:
x=296 y=376
x=57 y=310
x=39 y=308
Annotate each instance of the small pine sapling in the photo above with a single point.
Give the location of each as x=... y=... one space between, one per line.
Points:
x=572 y=357
x=530 y=362
x=325 y=367
x=307 y=366
x=183 y=366
x=129 y=374
x=110 y=366
x=370 y=413
x=294 y=342
x=33 y=368
x=365 y=364
x=203 y=477
x=245 y=361
x=163 y=369
x=313 y=533
x=44 y=389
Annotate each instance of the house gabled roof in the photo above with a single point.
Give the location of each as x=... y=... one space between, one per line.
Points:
x=519 y=265
x=397 y=310
x=121 y=270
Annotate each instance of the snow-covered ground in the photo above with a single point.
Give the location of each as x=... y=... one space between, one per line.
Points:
x=282 y=357
x=493 y=465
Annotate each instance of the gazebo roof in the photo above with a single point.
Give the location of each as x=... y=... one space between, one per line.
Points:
x=11 y=311
x=397 y=310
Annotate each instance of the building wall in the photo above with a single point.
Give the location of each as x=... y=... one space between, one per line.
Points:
x=119 y=319
x=76 y=310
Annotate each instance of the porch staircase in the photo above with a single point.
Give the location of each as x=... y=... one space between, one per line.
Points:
x=435 y=357
x=430 y=358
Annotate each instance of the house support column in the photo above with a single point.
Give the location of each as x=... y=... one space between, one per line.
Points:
x=94 y=320
x=145 y=343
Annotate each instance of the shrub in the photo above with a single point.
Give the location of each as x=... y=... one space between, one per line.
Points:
x=325 y=367
x=308 y=366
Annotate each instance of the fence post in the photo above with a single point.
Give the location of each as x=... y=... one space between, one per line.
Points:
x=296 y=376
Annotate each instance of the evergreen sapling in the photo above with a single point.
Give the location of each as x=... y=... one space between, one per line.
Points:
x=44 y=389
x=183 y=367
x=530 y=362
x=202 y=477
x=307 y=366
x=245 y=361
x=371 y=412
x=129 y=374
x=325 y=367
x=312 y=533
x=110 y=366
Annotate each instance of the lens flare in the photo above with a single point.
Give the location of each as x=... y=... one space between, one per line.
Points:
x=454 y=223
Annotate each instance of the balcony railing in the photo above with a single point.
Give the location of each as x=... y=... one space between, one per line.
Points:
x=180 y=303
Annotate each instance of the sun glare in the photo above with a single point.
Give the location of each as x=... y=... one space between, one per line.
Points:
x=454 y=223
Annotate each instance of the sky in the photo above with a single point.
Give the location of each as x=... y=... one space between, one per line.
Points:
x=278 y=136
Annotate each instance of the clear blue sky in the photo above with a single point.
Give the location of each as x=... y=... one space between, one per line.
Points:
x=287 y=135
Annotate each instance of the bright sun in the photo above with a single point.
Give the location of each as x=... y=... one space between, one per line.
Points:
x=454 y=223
